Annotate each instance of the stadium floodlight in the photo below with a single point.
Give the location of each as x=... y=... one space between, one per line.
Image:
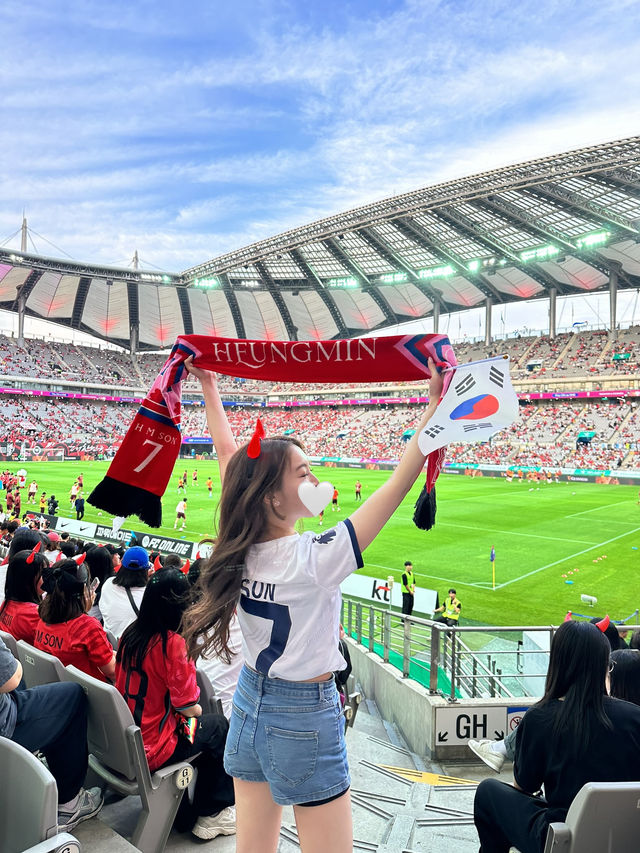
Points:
x=345 y=281
x=486 y=263
x=393 y=277
x=542 y=253
x=206 y=283
x=591 y=240
x=437 y=272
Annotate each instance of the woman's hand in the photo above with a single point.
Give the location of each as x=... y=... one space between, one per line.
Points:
x=436 y=383
x=206 y=377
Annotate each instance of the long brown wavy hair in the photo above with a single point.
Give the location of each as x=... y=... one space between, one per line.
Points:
x=243 y=521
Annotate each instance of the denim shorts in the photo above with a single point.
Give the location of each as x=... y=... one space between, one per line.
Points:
x=289 y=734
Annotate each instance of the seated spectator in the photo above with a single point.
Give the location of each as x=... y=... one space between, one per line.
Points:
x=22 y=594
x=158 y=681
x=53 y=719
x=100 y=562
x=610 y=631
x=575 y=734
x=625 y=675
x=222 y=674
x=122 y=593
x=65 y=629
x=24 y=539
x=51 y=549
x=173 y=561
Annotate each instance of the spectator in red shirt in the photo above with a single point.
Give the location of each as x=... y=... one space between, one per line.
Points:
x=158 y=681
x=22 y=595
x=65 y=629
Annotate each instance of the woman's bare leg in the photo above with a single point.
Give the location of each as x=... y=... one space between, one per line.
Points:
x=327 y=827
x=258 y=818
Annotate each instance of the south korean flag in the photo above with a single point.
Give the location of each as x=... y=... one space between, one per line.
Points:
x=479 y=402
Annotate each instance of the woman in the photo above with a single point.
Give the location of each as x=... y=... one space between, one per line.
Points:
x=286 y=736
x=65 y=629
x=575 y=734
x=222 y=673
x=625 y=675
x=158 y=681
x=100 y=563
x=22 y=594
x=122 y=594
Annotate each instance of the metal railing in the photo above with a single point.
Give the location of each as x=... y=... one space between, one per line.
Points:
x=456 y=662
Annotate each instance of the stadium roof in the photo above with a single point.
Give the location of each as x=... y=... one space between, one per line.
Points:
x=564 y=222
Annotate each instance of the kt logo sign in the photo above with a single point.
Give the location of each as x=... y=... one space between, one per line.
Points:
x=381 y=592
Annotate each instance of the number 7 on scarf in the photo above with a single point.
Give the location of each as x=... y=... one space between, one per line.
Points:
x=157 y=447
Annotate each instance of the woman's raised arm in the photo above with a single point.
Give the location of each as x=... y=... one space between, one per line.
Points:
x=223 y=440
x=369 y=519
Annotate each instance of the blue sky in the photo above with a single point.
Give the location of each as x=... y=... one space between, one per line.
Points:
x=188 y=129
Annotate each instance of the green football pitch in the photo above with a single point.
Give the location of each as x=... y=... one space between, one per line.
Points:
x=552 y=543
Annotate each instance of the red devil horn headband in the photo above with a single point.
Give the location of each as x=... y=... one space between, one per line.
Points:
x=186 y=567
x=157 y=565
x=33 y=553
x=567 y=618
x=603 y=624
x=80 y=558
x=253 y=451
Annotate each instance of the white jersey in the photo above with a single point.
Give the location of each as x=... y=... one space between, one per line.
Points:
x=289 y=607
x=224 y=676
x=181 y=508
x=116 y=608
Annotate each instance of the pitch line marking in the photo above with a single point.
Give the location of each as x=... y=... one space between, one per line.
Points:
x=391 y=569
x=570 y=557
x=507 y=532
x=596 y=508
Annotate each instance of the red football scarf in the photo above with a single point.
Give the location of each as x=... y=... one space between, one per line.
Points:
x=140 y=470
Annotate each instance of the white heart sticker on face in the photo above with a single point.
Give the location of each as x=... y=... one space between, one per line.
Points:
x=315 y=498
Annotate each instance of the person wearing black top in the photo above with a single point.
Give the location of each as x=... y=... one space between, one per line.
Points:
x=575 y=734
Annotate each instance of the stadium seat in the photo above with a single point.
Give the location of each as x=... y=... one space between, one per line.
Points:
x=354 y=697
x=112 y=640
x=117 y=756
x=29 y=805
x=39 y=667
x=10 y=642
x=208 y=699
x=604 y=816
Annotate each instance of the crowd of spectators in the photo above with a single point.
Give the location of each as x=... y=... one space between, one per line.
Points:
x=540 y=357
x=544 y=434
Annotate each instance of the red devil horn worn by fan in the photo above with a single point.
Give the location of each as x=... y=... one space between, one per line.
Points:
x=253 y=450
x=140 y=471
x=34 y=551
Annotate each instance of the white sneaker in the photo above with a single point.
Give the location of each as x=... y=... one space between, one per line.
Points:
x=88 y=805
x=482 y=749
x=223 y=823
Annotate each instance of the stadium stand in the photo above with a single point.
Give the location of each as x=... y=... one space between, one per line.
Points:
x=569 y=355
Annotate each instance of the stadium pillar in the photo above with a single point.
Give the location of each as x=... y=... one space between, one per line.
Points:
x=133 y=339
x=487 y=320
x=553 y=293
x=22 y=301
x=613 y=300
x=436 y=317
